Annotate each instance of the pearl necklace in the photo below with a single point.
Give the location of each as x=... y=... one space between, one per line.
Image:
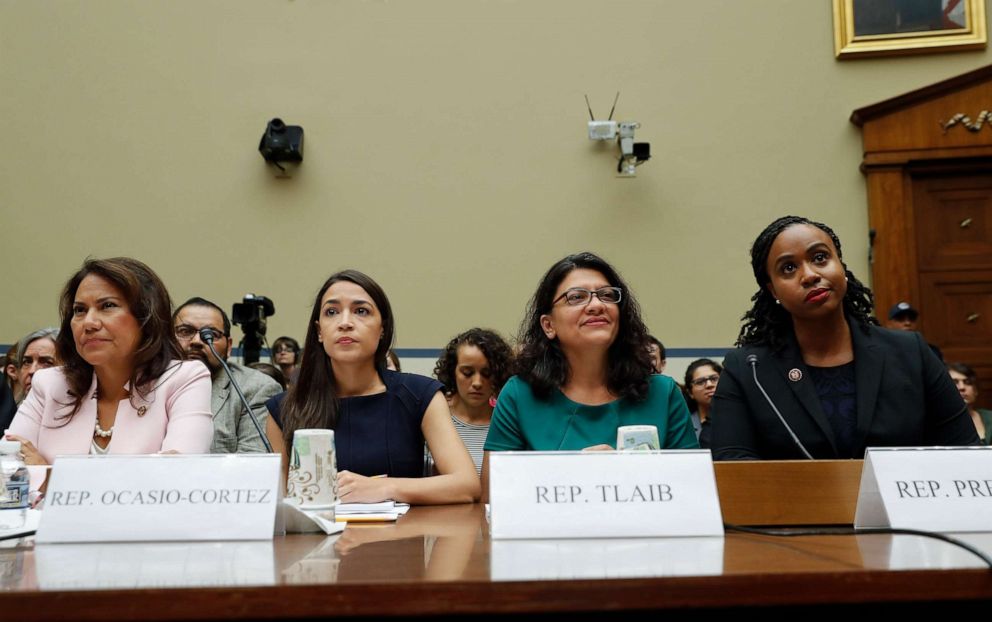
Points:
x=98 y=431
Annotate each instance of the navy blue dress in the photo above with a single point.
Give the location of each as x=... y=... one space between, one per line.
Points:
x=380 y=434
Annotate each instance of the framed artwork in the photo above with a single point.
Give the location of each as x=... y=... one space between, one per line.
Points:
x=864 y=28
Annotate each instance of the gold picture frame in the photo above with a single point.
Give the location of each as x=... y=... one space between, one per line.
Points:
x=866 y=28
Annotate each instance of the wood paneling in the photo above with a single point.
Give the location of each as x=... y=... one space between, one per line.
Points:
x=930 y=205
x=824 y=492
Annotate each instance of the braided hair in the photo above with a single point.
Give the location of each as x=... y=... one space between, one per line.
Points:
x=767 y=323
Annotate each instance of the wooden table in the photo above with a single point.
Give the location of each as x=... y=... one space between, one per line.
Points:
x=441 y=561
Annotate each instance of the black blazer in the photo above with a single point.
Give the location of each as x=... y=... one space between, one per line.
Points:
x=7 y=406
x=905 y=397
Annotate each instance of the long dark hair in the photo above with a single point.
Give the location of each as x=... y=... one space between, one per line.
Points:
x=767 y=323
x=498 y=356
x=148 y=301
x=542 y=364
x=313 y=402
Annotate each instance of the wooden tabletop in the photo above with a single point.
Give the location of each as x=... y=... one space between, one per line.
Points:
x=441 y=560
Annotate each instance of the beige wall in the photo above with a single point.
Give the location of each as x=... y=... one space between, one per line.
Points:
x=445 y=149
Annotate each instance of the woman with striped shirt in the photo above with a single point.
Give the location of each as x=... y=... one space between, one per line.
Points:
x=473 y=368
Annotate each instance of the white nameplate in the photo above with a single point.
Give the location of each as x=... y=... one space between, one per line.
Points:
x=933 y=488
x=602 y=494
x=161 y=498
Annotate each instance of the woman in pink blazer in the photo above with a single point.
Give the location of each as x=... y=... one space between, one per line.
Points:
x=122 y=388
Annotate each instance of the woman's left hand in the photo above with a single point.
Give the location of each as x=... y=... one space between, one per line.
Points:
x=29 y=452
x=355 y=488
x=599 y=448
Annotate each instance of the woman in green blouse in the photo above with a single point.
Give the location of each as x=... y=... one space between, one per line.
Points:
x=583 y=369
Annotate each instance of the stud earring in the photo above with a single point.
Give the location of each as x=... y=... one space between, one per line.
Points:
x=777 y=301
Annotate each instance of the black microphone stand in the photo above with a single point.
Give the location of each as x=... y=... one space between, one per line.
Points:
x=207 y=337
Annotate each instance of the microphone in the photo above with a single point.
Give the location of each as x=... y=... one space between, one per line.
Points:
x=207 y=337
x=752 y=360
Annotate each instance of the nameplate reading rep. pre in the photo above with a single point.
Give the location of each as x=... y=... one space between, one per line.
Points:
x=162 y=497
x=570 y=494
x=932 y=488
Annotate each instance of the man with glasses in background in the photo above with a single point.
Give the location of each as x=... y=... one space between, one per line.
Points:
x=234 y=431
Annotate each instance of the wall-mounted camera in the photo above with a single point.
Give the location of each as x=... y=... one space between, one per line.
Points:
x=281 y=143
x=632 y=154
x=251 y=314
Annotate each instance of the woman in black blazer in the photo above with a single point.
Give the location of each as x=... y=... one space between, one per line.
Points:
x=811 y=350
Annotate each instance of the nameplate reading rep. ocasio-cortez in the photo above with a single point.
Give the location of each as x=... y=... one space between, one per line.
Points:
x=161 y=497
x=932 y=488
x=602 y=494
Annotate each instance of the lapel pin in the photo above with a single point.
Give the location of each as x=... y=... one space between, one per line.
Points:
x=142 y=410
x=795 y=374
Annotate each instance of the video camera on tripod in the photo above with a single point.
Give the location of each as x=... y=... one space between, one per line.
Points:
x=250 y=315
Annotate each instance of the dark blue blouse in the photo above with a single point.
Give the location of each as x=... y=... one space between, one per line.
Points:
x=380 y=434
x=839 y=399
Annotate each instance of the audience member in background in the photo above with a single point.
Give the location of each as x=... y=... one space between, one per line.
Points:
x=7 y=405
x=271 y=371
x=393 y=361
x=810 y=346
x=286 y=356
x=903 y=316
x=234 y=431
x=10 y=371
x=701 y=378
x=583 y=369
x=121 y=387
x=473 y=368
x=657 y=351
x=35 y=351
x=966 y=380
x=380 y=417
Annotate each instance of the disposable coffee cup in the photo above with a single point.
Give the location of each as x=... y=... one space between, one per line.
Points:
x=313 y=471
x=637 y=438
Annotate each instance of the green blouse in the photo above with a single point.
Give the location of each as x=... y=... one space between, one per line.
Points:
x=986 y=416
x=521 y=421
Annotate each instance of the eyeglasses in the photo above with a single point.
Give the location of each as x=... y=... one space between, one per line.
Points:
x=280 y=349
x=702 y=382
x=578 y=296
x=187 y=332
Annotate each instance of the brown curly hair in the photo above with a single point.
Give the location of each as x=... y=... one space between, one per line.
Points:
x=497 y=352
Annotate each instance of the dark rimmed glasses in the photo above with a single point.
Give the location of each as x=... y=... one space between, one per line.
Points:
x=186 y=332
x=579 y=296
x=702 y=382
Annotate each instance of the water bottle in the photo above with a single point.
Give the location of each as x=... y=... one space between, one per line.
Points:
x=14 y=487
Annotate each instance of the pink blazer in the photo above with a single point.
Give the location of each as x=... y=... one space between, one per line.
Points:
x=174 y=415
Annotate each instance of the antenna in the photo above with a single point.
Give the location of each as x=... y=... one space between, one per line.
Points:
x=614 y=106
x=591 y=116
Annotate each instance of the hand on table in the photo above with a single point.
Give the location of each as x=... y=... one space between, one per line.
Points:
x=29 y=453
x=355 y=488
x=602 y=447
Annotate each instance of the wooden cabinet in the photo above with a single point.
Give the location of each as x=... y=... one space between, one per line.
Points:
x=928 y=164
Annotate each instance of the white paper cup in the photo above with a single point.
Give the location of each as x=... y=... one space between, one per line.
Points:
x=637 y=438
x=313 y=470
